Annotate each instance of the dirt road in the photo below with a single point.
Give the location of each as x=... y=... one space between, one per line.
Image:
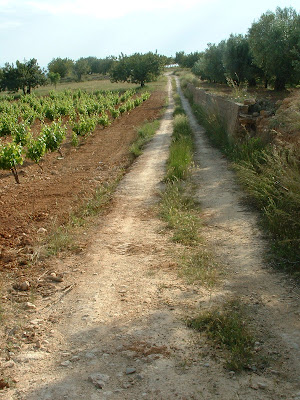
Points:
x=118 y=331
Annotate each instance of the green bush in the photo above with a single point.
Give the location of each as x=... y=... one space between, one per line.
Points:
x=10 y=157
x=36 y=149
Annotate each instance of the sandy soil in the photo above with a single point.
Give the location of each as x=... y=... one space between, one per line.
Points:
x=117 y=318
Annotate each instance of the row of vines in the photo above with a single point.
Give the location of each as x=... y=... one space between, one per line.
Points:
x=76 y=111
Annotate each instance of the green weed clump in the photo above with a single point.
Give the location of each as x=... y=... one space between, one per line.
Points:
x=271 y=177
x=188 y=78
x=178 y=110
x=178 y=210
x=181 y=150
x=180 y=159
x=145 y=133
x=59 y=240
x=272 y=180
x=228 y=328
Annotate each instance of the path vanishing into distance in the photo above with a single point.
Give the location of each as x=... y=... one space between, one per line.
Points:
x=118 y=331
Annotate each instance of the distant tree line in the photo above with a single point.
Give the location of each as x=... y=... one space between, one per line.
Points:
x=269 y=53
x=66 y=67
x=137 y=68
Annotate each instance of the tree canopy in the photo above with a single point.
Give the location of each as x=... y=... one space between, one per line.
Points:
x=275 y=44
x=81 y=67
x=54 y=78
x=63 y=66
x=137 y=68
x=210 y=64
x=25 y=76
x=238 y=61
x=100 y=65
x=187 y=60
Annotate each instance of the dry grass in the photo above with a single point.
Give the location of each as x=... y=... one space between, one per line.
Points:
x=227 y=326
x=93 y=85
x=270 y=174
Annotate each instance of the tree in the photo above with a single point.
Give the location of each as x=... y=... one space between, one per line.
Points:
x=30 y=75
x=238 y=61
x=100 y=65
x=275 y=45
x=137 y=68
x=210 y=64
x=54 y=78
x=25 y=76
x=63 y=66
x=9 y=78
x=81 y=67
x=187 y=60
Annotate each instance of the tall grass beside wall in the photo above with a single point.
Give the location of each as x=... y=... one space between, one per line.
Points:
x=271 y=177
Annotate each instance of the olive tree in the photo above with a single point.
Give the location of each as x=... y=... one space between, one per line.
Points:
x=275 y=45
x=54 y=78
x=62 y=66
x=25 y=75
x=238 y=61
x=81 y=67
x=210 y=64
x=137 y=68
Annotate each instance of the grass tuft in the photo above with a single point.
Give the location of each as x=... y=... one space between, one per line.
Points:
x=181 y=150
x=198 y=265
x=228 y=328
x=145 y=134
x=59 y=240
x=64 y=237
x=178 y=211
x=180 y=159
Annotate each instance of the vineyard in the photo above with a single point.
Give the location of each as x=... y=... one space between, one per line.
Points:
x=70 y=143
x=34 y=126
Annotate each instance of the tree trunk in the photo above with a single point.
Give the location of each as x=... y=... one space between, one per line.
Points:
x=15 y=174
x=279 y=84
x=266 y=83
x=252 y=82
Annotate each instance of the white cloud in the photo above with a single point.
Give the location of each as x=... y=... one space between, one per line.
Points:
x=9 y=24
x=109 y=9
x=4 y=3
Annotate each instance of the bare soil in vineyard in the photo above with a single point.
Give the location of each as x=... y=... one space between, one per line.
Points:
x=45 y=198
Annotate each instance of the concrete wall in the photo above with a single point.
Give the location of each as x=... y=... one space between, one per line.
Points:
x=226 y=110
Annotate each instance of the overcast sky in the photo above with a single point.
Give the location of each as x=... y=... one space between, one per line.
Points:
x=45 y=29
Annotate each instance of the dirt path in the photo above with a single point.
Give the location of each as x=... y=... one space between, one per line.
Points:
x=119 y=320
